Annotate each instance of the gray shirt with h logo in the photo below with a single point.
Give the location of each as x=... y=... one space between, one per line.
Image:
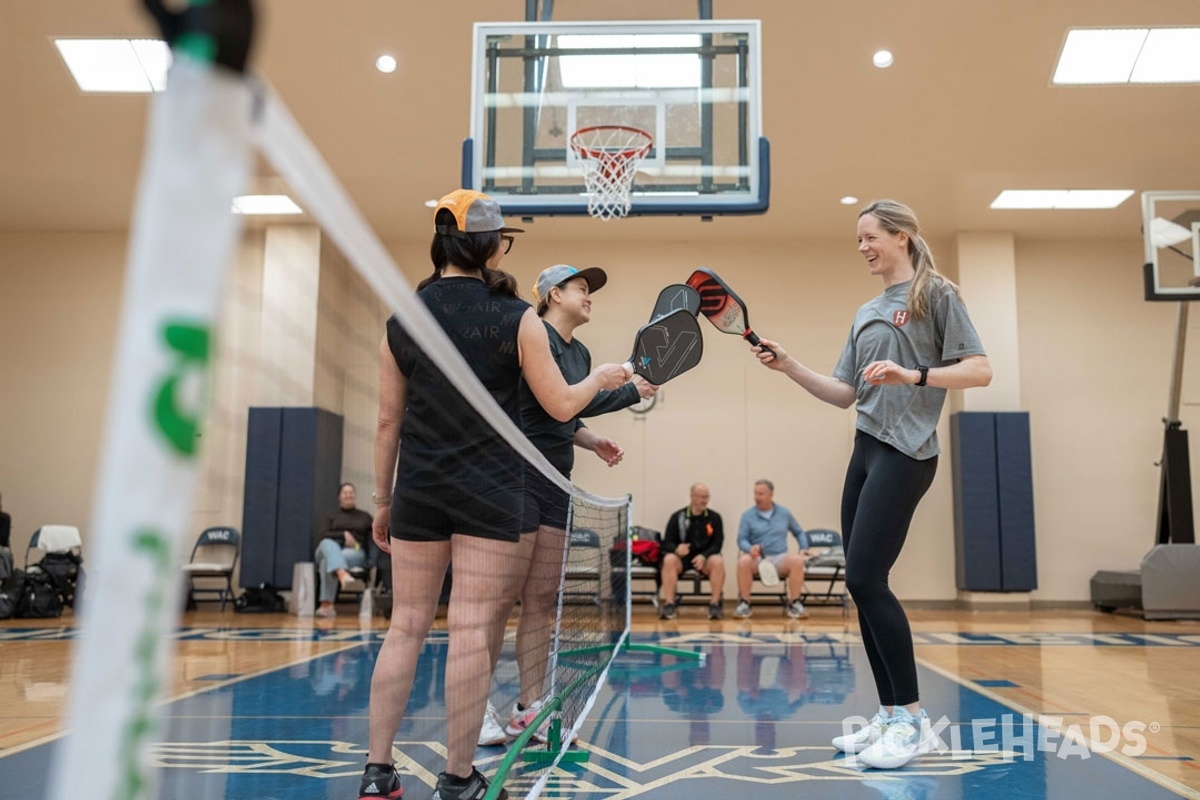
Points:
x=906 y=417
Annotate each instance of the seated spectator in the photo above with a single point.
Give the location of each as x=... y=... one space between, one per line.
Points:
x=343 y=547
x=5 y=526
x=693 y=540
x=762 y=540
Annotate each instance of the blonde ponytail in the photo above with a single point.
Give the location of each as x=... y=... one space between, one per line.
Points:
x=895 y=217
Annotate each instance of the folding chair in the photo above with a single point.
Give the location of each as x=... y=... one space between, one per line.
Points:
x=214 y=556
x=637 y=571
x=582 y=580
x=827 y=568
x=363 y=584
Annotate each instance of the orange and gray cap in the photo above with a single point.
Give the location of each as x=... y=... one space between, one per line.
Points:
x=561 y=273
x=474 y=212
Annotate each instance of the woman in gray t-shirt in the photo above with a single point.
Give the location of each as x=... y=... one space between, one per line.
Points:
x=906 y=348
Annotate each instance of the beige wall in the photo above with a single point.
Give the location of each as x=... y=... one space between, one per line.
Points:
x=1094 y=357
x=59 y=295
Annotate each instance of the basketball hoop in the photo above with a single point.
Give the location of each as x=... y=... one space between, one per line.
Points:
x=611 y=155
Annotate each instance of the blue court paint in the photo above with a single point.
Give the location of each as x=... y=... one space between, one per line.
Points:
x=754 y=719
x=998 y=683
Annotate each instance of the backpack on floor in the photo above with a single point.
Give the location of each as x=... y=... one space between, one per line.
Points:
x=39 y=598
x=65 y=571
x=261 y=599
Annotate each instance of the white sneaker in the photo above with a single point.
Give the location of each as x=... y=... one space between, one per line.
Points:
x=767 y=572
x=492 y=733
x=519 y=720
x=743 y=610
x=861 y=740
x=905 y=738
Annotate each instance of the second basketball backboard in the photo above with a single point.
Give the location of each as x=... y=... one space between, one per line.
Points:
x=1171 y=229
x=692 y=87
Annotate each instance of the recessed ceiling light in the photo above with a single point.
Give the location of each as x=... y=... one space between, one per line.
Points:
x=1061 y=198
x=848 y=200
x=1129 y=55
x=1171 y=55
x=385 y=64
x=882 y=59
x=255 y=204
x=116 y=65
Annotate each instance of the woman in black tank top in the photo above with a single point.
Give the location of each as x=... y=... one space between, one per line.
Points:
x=458 y=487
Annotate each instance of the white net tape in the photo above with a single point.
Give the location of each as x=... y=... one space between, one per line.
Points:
x=611 y=155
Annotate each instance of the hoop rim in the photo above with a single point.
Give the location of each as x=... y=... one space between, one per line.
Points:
x=584 y=151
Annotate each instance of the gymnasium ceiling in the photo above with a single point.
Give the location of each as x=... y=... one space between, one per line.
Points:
x=967 y=110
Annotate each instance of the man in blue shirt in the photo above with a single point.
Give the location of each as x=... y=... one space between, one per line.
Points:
x=762 y=540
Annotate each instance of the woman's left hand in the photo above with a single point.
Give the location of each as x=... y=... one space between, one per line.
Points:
x=887 y=373
x=609 y=451
x=379 y=527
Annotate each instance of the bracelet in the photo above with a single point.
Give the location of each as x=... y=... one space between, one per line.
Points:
x=381 y=501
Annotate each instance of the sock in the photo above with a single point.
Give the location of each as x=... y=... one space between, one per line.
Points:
x=455 y=779
x=883 y=712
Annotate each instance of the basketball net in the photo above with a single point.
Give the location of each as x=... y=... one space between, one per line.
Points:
x=611 y=155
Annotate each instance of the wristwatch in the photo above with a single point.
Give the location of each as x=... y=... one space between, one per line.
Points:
x=924 y=370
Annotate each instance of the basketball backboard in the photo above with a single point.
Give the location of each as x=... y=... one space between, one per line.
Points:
x=693 y=86
x=1171 y=229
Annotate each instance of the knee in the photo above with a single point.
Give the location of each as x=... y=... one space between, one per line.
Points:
x=864 y=585
x=539 y=597
x=478 y=616
x=745 y=561
x=715 y=563
x=673 y=563
x=410 y=623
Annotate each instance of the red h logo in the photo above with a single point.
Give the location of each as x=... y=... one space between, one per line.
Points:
x=900 y=318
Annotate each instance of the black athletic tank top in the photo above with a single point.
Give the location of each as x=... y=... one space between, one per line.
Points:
x=443 y=441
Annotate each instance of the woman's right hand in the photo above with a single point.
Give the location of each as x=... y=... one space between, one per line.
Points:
x=774 y=360
x=611 y=376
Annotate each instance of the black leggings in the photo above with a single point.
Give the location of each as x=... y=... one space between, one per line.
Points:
x=883 y=487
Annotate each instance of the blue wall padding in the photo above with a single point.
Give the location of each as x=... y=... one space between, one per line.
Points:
x=977 y=561
x=299 y=468
x=1018 y=550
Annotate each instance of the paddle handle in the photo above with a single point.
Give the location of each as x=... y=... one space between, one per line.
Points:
x=752 y=337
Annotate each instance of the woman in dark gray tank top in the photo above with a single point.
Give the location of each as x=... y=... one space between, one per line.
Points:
x=458 y=485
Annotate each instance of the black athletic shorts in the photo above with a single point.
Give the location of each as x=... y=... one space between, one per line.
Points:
x=545 y=503
x=433 y=515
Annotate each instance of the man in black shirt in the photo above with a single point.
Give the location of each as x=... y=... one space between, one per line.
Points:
x=693 y=540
